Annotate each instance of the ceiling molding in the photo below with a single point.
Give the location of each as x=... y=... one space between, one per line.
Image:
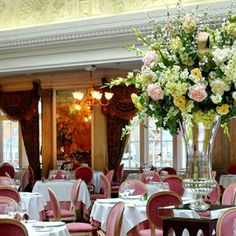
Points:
x=73 y=45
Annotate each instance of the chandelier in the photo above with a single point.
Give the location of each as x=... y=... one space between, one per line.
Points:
x=93 y=97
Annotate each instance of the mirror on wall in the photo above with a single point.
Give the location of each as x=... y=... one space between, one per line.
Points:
x=73 y=130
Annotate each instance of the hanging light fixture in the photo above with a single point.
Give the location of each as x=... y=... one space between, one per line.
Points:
x=93 y=97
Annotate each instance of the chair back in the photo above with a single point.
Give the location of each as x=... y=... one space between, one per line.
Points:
x=74 y=194
x=229 y=195
x=138 y=186
x=160 y=199
x=120 y=173
x=232 y=170
x=85 y=173
x=151 y=176
x=55 y=205
x=25 y=181
x=10 y=192
x=32 y=179
x=6 y=202
x=106 y=186
x=109 y=175
x=59 y=174
x=169 y=170
x=213 y=197
x=225 y=223
x=114 y=219
x=4 y=180
x=11 y=227
x=175 y=184
x=7 y=168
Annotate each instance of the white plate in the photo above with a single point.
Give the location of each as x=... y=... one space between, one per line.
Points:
x=47 y=224
x=43 y=229
x=109 y=200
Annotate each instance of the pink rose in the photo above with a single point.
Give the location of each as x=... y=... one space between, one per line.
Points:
x=155 y=92
x=197 y=92
x=149 y=58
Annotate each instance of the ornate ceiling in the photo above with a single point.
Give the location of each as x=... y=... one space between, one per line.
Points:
x=20 y=14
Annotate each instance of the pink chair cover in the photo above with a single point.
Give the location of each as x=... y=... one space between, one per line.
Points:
x=109 y=175
x=25 y=181
x=226 y=223
x=229 y=195
x=231 y=170
x=5 y=180
x=175 y=184
x=157 y=200
x=155 y=177
x=106 y=189
x=85 y=173
x=138 y=186
x=10 y=192
x=114 y=219
x=12 y=227
x=74 y=194
x=6 y=202
x=214 y=196
x=57 y=213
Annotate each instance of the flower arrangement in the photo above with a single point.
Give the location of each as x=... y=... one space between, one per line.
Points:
x=189 y=70
x=64 y=131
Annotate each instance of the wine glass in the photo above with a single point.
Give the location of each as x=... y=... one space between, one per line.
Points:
x=11 y=211
x=22 y=209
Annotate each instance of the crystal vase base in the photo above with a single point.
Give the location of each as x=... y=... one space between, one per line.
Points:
x=200 y=188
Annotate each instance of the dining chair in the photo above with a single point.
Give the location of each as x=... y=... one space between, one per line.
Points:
x=106 y=186
x=231 y=170
x=12 y=227
x=4 y=180
x=56 y=213
x=74 y=195
x=86 y=174
x=109 y=175
x=229 y=195
x=157 y=200
x=151 y=176
x=175 y=184
x=114 y=221
x=226 y=224
x=25 y=181
x=138 y=187
x=32 y=179
x=81 y=229
x=7 y=167
x=169 y=170
x=115 y=185
x=11 y=192
x=213 y=197
x=5 y=203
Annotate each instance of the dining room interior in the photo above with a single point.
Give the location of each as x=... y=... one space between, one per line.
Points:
x=71 y=77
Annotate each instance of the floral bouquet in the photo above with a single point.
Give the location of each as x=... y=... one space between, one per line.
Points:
x=189 y=70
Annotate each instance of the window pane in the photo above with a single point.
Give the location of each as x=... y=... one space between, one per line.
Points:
x=160 y=146
x=131 y=157
x=10 y=144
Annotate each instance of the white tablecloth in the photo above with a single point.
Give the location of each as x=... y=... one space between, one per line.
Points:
x=47 y=231
x=34 y=203
x=226 y=180
x=62 y=189
x=134 y=212
x=96 y=181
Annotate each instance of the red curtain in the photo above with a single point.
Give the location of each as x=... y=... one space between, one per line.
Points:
x=23 y=106
x=118 y=114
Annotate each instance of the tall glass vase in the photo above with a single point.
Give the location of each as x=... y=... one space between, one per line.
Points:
x=199 y=137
